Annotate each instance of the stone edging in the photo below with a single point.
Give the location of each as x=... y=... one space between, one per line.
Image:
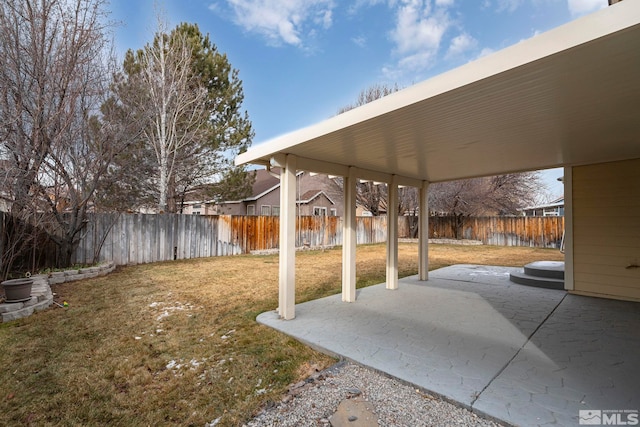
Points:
x=41 y=295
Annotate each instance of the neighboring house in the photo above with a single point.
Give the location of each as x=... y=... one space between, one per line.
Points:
x=316 y=194
x=197 y=202
x=57 y=195
x=553 y=208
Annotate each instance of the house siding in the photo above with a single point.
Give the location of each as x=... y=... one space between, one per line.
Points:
x=606 y=229
x=321 y=201
x=332 y=199
x=231 y=209
x=323 y=183
x=272 y=198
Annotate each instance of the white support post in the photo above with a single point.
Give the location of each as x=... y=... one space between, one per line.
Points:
x=392 y=233
x=423 y=230
x=349 y=239
x=287 y=267
x=569 y=283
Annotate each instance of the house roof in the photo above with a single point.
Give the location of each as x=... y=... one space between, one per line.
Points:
x=264 y=183
x=552 y=204
x=310 y=195
x=565 y=97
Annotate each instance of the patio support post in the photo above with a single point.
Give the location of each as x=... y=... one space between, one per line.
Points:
x=423 y=230
x=287 y=266
x=349 y=239
x=392 y=233
x=568 y=228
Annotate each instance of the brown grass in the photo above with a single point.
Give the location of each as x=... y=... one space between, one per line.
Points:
x=177 y=342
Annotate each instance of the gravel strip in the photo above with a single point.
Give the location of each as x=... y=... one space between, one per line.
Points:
x=312 y=402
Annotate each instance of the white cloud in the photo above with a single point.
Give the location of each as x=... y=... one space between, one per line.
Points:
x=417 y=35
x=503 y=5
x=485 y=51
x=418 y=28
x=408 y=66
x=580 y=7
x=282 y=21
x=461 y=44
x=360 y=41
x=358 y=4
x=416 y=62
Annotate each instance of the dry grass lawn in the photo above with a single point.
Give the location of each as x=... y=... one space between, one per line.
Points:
x=177 y=342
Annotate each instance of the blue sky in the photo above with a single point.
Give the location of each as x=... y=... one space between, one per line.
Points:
x=301 y=60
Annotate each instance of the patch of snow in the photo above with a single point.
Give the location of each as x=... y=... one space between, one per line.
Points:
x=173 y=365
x=177 y=306
x=213 y=423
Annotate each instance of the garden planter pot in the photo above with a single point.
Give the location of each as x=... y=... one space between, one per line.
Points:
x=17 y=290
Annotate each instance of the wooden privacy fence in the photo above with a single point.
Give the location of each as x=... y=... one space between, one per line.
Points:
x=141 y=238
x=540 y=232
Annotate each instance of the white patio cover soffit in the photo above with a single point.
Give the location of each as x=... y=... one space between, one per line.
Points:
x=567 y=97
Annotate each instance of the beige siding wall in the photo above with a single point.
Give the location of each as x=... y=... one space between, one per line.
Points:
x=269 y=200
x=319 y=202
x=606 y=229
x=323 y=183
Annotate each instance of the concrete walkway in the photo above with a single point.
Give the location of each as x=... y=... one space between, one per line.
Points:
x=523 y=355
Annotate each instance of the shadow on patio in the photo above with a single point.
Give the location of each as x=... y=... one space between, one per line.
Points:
x=524 y=355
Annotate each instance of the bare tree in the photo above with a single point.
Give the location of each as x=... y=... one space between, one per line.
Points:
x=190 y=98
x=22 y=238
x=496 y=195
x=370 y=94
x=54 y=77
x=161 y=87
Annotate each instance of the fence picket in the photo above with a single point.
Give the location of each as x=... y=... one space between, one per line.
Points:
x=140 y=238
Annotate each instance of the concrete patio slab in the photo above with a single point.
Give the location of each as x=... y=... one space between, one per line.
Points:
x=526 y=356
x=586 y=356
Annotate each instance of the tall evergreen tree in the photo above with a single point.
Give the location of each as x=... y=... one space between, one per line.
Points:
x=185 y=89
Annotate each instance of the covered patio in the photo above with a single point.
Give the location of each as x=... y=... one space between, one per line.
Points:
x=523 y=355
x=568 y=97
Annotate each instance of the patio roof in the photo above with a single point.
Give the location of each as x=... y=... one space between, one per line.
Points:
x=566 y=97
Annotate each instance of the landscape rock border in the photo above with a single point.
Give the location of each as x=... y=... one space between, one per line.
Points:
x=41 y=295
x=389 y=402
